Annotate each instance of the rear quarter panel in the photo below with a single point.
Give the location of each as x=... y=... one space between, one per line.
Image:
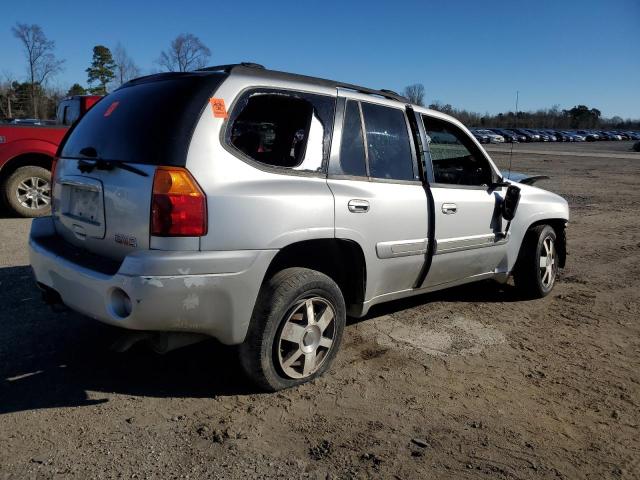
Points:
x=251 y=207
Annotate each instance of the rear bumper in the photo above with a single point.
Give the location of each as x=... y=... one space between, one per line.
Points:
x=212 y=293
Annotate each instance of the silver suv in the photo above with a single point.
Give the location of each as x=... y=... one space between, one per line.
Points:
x=261 y=208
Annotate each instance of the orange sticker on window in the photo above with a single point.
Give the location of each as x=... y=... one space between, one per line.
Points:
x=219 y=110
x=111 y=108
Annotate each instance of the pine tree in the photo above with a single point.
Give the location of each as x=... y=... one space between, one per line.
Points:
x=76 y=89
x=102 y=69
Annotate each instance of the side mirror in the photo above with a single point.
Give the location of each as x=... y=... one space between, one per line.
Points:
x=498 y=184
x=510 y=203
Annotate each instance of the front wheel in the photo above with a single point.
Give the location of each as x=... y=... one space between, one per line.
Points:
x=537 y=267
x=295 y=330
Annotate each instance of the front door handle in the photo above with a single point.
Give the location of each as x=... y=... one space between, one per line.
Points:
x=449 y=208
x=358 y=206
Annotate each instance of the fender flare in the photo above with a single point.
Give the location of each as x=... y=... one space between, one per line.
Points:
x=559 y=224
x=25 y=147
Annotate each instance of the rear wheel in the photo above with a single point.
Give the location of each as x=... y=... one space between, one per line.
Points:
x=295 y=331
x=537 y=268
x=27 y=191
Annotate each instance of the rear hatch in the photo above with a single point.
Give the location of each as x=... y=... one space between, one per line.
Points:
x=104 y=176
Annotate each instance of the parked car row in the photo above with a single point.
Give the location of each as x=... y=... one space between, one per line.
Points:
x=501 y=135
x=27 y=121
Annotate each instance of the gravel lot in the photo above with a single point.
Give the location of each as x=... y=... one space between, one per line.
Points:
x=468 y=383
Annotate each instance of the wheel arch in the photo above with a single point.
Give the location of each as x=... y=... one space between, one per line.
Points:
x=559 y=225
x=35 y=159
x=340 y=259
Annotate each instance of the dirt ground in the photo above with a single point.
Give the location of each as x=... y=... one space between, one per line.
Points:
x=467 y=383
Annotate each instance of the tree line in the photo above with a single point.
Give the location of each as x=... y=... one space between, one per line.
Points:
x=578 y=117
x=109 y=68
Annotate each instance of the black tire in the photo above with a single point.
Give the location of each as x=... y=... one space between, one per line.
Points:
x=279 y=298
x=529 y=276
x=14 y=186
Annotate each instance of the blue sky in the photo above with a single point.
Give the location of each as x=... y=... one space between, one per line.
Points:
x=472 y=54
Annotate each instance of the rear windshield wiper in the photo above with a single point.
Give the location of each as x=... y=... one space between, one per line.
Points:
x=86 y=166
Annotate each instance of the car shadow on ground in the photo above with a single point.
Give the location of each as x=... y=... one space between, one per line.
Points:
x=50 y=359
x=5 y=212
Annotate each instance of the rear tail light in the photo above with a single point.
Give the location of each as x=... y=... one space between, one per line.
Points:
x=178 y=205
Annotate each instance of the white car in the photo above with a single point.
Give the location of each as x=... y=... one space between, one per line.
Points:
x=493 y=137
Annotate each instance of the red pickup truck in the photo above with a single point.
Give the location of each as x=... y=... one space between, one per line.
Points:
x=26 y=156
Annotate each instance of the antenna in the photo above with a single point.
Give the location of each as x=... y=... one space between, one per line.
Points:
x=516 y=126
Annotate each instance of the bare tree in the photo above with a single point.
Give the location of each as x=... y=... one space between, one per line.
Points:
x=187 y=52
x=7 y=95
x=39 y=52
x=126 y=69
x=415 y=93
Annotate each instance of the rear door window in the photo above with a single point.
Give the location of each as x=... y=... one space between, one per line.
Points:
x=283 y=129
x=352 y=153
x=387 y=142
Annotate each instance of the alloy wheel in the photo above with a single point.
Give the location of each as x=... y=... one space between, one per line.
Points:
x=548 y=264
x=306 y=337
x=34 y=193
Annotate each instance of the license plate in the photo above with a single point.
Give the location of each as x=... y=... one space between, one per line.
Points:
x=84 y=204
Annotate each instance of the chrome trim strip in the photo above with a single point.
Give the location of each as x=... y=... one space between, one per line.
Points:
x=468 y=243
x=402 y=248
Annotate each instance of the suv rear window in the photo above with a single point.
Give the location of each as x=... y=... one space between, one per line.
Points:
x=280 y=128
x=149 y=120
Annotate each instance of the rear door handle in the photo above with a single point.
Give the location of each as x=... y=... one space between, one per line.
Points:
x=449 y=208
x=358 y=206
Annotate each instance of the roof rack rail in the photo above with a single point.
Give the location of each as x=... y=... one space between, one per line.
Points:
x=390 y=94
x=231 y=66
